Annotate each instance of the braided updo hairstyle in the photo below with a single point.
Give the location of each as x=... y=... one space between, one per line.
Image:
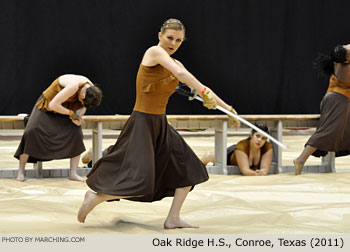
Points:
x=173 y=24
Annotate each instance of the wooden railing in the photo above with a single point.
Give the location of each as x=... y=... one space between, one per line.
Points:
x=219 y=122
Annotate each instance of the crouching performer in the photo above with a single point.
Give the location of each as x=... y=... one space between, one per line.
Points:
x=53 y=130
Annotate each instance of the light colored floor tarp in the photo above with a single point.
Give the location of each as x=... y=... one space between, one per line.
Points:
x=275 y=204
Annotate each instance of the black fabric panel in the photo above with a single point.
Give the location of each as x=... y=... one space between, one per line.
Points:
x=256 y=54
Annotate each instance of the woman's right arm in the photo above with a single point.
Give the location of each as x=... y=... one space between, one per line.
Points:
x=56 y=103
x=70 y=84
x=243 y=163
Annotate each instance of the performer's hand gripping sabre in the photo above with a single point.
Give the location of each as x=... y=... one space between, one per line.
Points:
x=180 y=89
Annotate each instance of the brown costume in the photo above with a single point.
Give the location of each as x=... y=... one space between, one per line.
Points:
x=149 y=158
x=333 y=131
x=49 y=135
x=244 y=146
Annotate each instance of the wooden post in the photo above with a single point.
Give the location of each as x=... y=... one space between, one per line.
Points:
x=38 y=169
x=97 y=142
x=276 y=132
x=329 y=162
x=221 y=145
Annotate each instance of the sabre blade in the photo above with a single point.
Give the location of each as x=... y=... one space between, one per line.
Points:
x=246 y=123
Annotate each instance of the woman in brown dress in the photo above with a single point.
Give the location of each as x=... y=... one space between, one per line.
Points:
x=252 y=155
x=333 y=131
x=150 y=160
x=53 y=130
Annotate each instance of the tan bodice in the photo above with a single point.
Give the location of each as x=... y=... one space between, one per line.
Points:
x=335 y=85
x=72 y=102
x=154 y=86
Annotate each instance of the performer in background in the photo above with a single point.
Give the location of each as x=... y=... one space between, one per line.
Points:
x=333 y=131
x=252 y=155
x=150 y=160
x=54 y=129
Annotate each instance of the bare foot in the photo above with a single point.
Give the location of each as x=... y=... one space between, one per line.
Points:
x=76 y=177
x=171 y=223
x=20 y=176
x=90 y=201
x=298 y=165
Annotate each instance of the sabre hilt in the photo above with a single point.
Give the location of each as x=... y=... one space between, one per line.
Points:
x=75 y=115
x=78 y=112
x=184 y=90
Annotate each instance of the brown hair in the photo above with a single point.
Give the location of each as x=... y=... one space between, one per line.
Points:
x=324 y=63
x=93 y=97
x=173 y=24
x=261 y=126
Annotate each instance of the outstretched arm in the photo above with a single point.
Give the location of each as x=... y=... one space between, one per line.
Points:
x=157 y=55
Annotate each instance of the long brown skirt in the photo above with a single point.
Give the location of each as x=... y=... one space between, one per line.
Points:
x=150 y=159
x=49 y=136
x=333 y=131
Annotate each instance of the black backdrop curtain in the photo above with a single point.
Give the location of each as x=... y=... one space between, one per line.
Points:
x=256 y=54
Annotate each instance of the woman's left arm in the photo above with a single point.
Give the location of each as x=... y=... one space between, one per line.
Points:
x=265 y=162
x=218 y=100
